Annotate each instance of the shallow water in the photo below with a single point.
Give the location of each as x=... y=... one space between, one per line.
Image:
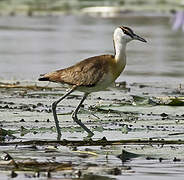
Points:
x=34 y=45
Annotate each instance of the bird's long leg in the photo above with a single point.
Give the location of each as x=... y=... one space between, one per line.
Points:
x=74 y=116
x=54 y=105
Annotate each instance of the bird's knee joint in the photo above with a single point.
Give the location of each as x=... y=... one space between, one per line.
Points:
x=73 y=115
x=54 y=104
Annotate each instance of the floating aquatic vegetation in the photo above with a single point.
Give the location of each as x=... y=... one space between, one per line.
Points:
x=137 y=129
x=170 y=101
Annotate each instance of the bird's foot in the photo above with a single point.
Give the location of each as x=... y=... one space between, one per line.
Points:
x=88 y=137
x=90 y=134
x=58 y=137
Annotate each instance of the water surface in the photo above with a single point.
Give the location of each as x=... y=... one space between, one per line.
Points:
x=30 y=46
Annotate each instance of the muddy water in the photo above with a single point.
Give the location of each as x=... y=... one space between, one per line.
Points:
x=139 y=111
x=33 y=45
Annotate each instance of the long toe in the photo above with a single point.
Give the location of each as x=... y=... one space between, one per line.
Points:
x=90 y=134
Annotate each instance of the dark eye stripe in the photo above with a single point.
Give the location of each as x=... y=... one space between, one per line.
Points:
x=127 y=31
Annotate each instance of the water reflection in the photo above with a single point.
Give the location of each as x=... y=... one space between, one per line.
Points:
x=33 y=45
x=179 y=21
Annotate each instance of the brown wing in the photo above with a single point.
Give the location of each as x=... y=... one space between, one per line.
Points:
x=85 y=73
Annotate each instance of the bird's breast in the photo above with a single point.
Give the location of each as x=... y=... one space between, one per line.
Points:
x=106 y=80
x=116 y=68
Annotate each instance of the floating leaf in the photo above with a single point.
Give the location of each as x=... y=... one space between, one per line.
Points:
x=171 y=101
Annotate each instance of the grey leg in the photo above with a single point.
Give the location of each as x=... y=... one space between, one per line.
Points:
x=74 y=116
x=54 y=105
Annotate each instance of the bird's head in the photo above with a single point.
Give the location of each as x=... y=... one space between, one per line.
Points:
x=124 y=34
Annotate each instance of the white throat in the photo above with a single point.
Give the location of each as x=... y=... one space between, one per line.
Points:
x=120 y=46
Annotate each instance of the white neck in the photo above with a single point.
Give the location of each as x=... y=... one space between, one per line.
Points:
x=120 y=47
x=120 y=54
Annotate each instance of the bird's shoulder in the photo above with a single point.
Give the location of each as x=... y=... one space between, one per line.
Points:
x=102 y=59
x=86 y=72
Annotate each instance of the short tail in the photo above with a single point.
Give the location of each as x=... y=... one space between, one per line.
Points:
x=48 y=77
x=43 y=79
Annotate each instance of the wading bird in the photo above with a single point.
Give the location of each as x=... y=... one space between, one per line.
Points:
x=93 y=74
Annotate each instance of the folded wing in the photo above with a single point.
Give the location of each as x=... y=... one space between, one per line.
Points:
x=85 y=73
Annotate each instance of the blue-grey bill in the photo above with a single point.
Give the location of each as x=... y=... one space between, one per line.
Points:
x=136 y=37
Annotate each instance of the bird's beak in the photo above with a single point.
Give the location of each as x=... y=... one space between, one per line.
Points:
x=136 y=37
